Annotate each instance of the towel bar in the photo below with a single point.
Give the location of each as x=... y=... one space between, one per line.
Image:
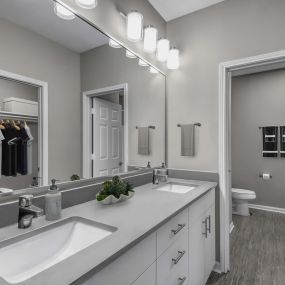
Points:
x=195 y=124
x=150 y=127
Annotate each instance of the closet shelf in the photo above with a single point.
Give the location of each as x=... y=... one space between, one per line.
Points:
x=18 y=116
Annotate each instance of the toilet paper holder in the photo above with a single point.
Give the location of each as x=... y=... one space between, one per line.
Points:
x=261 y=176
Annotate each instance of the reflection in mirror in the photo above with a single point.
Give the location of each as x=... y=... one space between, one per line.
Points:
x=105 y=112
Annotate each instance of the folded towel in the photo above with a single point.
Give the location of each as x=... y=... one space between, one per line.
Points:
x=143 y=141
x=188 y=140
x=270 y=142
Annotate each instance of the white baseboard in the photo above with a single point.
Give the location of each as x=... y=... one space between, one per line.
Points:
x=217 y=267
x=231 y=227
x=267 y=208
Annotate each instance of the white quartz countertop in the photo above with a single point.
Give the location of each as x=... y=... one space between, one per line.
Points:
x=134 y=218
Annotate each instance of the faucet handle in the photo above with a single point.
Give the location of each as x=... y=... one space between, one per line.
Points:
x=25 y=200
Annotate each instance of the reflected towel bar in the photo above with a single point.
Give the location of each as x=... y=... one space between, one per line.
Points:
x=150 y=127
x=195 y=124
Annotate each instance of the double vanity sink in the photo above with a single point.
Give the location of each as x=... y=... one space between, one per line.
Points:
x=46 y=246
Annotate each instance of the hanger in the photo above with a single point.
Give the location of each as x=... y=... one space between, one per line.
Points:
x=15 y=126
x=2 y=127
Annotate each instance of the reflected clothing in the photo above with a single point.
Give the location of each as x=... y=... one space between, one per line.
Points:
x=9 y=152
x=1 y=139
x=22 y=156
x=30 y=150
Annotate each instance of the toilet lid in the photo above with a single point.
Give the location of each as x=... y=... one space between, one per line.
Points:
x=242 y=191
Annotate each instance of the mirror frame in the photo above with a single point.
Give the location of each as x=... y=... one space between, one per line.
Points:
x=42 y=87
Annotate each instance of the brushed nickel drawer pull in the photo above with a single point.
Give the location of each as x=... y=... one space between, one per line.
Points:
x=179 y=228
x=180 y=255
x=181 y=280
x=209 y=228
x=206 y=228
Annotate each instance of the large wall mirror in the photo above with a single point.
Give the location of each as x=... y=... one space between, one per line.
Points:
x=73 y=103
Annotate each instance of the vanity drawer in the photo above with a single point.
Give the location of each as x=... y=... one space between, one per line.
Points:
x=171 y=231
x=198 y=207
x=128 y=267
x=172 y=265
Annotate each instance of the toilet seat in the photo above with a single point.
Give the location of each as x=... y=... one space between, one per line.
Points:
x=243 y=194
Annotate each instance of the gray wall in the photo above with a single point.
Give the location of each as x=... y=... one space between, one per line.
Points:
x=15 y=89
x=229 y=30
x=257 y=100
x=105 y=66
x=29 y=54
x=106 y=16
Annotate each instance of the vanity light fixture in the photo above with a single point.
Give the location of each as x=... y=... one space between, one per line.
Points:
x=142 y=63
x=63 y=12
x=150 y=39
x=162 y=49
x=87 y=4
x=134 y=26
x=153 y=70
x=114 y=44
x=130 y=54
x=173 y=61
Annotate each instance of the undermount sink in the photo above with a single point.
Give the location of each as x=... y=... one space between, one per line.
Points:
x=26 y=255
x=176 y=187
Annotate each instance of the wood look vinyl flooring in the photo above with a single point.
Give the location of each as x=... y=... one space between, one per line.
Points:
x=257 y=251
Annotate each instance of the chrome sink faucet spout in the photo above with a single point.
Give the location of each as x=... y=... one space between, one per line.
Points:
x=158 y=178
x=27 y=211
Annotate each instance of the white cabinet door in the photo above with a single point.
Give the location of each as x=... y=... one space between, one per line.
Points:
x=210 y=252
x=148 y=277
x=196 y=252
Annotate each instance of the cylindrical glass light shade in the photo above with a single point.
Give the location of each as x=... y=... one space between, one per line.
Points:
x=130 y=54
x=173 y=61
x=134 y=26
x=86 y=4
x=150 y=39
x=63 y=12
x=114 y=44
x=142 y=63
x=162 y=49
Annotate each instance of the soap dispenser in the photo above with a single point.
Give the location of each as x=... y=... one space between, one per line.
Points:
x=53 y=202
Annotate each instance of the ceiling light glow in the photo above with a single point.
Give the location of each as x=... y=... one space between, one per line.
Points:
x=87 y=4
x=114 y=44
x=63 y=12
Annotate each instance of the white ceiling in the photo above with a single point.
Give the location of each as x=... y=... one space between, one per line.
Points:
x=38 y=16
x=172 y=9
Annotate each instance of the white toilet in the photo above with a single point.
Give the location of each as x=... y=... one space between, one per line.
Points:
x=241 y=197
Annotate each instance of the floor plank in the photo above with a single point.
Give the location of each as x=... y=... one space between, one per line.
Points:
x=257 y=251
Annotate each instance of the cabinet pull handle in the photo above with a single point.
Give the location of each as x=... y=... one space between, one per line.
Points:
x=179 y=228
x=181 y=280
x=209 y=228
x=180 y=255
x=206 y=228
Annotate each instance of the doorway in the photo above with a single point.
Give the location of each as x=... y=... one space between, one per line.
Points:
x=227 y=71
x=105 y=131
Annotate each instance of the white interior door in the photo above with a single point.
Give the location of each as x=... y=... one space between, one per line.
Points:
x=107 y=138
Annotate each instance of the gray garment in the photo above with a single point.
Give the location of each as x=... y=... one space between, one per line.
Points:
x=143 y=141
x=29 y=150
x=188 y=140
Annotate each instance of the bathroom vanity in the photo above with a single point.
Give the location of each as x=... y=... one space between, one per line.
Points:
x=158 y=237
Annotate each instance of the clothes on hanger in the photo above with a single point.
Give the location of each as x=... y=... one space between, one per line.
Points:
x=15 y=157
x=29 y=148
x=1 y=139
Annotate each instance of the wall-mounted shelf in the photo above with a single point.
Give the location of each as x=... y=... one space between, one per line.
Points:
x=17 y=116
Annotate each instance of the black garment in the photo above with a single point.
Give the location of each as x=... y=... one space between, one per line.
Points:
x=9 y=152
x=22 y=156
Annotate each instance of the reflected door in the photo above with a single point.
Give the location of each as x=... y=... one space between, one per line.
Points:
x=107 y=138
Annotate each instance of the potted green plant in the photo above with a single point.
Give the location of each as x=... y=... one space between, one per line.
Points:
x=115 y=191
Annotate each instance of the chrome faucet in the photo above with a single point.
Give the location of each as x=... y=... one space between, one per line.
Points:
x=157 y=177
x=27 y=211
